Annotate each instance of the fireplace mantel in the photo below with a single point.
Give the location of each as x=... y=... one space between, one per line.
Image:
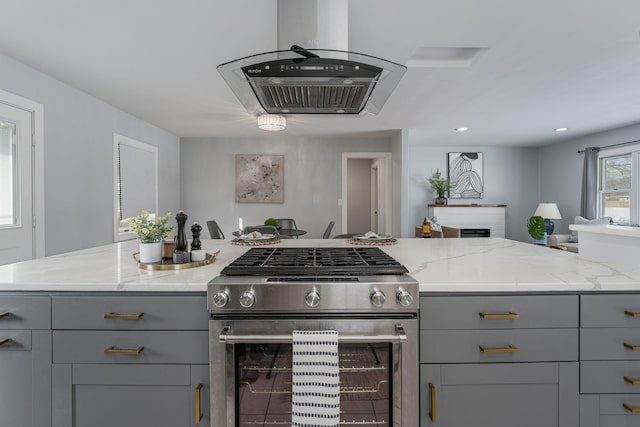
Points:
x=472 y=217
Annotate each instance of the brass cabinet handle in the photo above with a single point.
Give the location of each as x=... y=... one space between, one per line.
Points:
x=132 y=316
x=199 y=414
x=632 y=313
x=4 y=314
x=509 y=315
x=631 y=380
x=630 y=408
x=432 y=412
x=510 y=349
x=127 y=351
x=4 y=340
x=632 y=347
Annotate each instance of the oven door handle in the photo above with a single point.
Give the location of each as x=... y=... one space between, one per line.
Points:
x=228 y=338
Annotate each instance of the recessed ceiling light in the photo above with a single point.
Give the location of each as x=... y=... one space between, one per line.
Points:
x=561 y=129
x=462 y=129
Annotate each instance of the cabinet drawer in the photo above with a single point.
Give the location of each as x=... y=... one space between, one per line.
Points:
x=601 y=311
x=608 y=410
x=613 y=404
x=609 y=344
x=157 y=346
x=25 y=312
x=11 y=340
x=499 y=312
x=130 y=312
x=531 y=344
x=610 y=377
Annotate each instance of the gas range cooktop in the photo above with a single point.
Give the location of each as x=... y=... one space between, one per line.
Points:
x=268 y=281
x=355 y=261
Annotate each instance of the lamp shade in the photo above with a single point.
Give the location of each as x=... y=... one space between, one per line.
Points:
x=548 y=211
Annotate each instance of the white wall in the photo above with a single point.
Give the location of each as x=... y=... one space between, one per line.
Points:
x=78 y=133
x=561 y=170
x=399 y=183
x=510 y=177
x=312 y=183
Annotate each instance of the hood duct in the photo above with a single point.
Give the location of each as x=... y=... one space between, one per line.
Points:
x=295 y=80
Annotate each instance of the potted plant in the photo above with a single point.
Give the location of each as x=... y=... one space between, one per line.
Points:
x=537 y=230
x=151 y=232
x=440 y=186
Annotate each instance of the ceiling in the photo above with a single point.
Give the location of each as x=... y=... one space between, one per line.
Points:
x=546 y=64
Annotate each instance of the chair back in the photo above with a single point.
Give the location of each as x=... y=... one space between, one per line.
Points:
x=327 y=231
x=214 y=230
x=287 y=223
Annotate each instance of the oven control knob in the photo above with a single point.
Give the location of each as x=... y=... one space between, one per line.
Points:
x=378 y=298
x=404 y=298
x=220 y=299
x=312 y=299
x=247 y=299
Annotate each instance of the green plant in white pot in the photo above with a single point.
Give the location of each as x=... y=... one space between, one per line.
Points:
x=151 y=232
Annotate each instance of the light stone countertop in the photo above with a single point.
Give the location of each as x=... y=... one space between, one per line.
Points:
x=440 y=265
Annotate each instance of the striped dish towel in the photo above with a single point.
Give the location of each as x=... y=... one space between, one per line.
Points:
x=315 y=390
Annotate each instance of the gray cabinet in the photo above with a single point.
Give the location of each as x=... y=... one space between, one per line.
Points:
x=499 y=394
x=25 y=361
x=130 y=361
x=499 y=360
x=610 y=360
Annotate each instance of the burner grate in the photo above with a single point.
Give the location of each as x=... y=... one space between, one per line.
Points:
x=314 y=261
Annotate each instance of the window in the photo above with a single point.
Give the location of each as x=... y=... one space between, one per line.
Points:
x=619 y=189
x=615 y=188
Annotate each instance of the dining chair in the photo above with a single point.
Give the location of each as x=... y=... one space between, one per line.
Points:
x=327 y=231
x=214 y=230
x=287 y=223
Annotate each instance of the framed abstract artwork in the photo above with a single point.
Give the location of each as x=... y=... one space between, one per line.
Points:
x=259 y=178
x=465 y=173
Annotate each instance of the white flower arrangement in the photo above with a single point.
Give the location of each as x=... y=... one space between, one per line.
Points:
x=150 y=230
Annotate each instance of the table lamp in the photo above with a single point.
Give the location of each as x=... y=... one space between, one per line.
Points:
x=548 y=211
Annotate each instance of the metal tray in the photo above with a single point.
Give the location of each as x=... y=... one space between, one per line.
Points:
x=167 y=264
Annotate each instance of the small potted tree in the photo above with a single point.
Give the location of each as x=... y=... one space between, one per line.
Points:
x=440 y=186
x=537 y=230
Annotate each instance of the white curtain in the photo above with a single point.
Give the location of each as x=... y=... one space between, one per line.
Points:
x=589 y=199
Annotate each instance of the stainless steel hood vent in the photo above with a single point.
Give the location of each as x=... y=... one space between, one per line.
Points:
x=312 y=81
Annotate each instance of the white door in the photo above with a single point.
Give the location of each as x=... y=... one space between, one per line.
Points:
x=16 y=186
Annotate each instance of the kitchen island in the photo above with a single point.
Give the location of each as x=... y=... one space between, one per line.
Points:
x=439 y=265
x=517 y=334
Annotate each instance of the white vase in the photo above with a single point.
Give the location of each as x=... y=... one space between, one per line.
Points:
x=150 y=252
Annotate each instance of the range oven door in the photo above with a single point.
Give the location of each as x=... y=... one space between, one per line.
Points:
x=251 y=370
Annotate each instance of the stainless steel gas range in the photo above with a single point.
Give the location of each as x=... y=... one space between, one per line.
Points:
x=267 y=293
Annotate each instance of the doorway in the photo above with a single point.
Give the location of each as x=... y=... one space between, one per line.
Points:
x=365 y=186
x=21 y=179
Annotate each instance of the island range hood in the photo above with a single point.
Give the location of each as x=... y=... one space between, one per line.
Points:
x=310 y=80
